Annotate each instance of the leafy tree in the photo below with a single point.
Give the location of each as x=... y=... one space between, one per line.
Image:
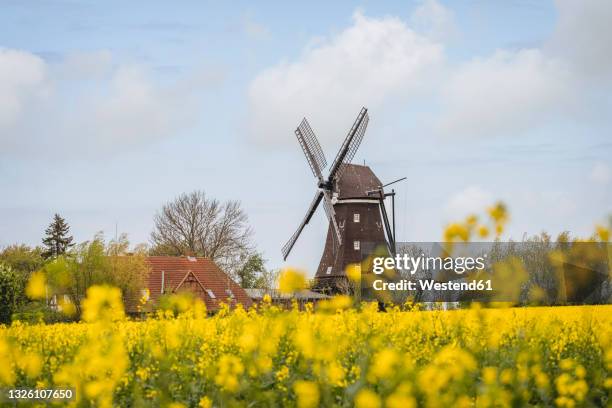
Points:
x=11 y=292
x=96 y=262
x=128 y=267
x=22 y=258
x=17 y=262
x=267 y=279
x=57 y=241
x=251 y=271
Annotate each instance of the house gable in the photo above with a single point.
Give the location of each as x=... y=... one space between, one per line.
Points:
x=200 y=275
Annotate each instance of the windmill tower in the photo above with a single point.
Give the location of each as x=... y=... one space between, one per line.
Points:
x=353 y=199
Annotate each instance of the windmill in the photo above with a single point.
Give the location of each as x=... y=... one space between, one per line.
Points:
x=353 y=200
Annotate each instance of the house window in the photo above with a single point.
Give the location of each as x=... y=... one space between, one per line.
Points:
x=211 y=294
x=356 y=217
x=329 y=270
x=229 y=293
x=356 y=245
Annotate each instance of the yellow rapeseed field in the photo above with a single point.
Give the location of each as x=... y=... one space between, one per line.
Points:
x=334 y=356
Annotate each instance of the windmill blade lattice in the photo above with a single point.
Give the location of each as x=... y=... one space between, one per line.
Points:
x=331 y=216
x=350 y=145
x=312 y=149
x=311 y=210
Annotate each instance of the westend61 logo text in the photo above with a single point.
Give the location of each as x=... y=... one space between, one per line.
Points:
x=412 y=264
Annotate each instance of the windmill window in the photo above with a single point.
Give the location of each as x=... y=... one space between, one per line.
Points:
x=329 y=270
x=356 y=245
x=356 y=217
x=211 y=294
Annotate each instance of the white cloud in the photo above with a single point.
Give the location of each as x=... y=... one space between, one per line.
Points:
x=601 y=173
x=366 y=64
x=472 y=199
x=378 y=60
x=86 y=65
x=92 y=104
x=582 y=35
x=512 y=91
x=505 y=93
x=433 y=20
x=135 y=110
x=23 y=80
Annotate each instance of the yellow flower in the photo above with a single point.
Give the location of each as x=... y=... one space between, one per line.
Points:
x=338 y=302
x=506 y=376
x=94 y=388
x=142 y=373
x=291 y=281
x=230 y=368
x=483 y=231
x=603 y=233
x=307 y=394
x=282 y=374
x=205 y=402
x=248 y=340
x=456 y=231
x=580 y=372
x=353 y=271
x=103 y=303
x=489 y=375
x=335 y=374
x=383 y=364
x=499 y=212
x=397 y=400
x=341 y=302
x=145 y=296
x=541 y=380
x=66 y=307
x=499 y=229
x=31 y=364
x=367 y=398
x=37 y=286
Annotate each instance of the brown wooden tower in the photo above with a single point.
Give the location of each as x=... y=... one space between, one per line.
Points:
x=354 y=202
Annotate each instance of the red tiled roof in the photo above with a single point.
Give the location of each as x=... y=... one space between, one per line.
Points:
x=176 y=270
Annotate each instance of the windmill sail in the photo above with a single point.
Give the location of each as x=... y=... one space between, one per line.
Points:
x=350 y=145
x=311 y=210
x=312 y=149
x=331 y=216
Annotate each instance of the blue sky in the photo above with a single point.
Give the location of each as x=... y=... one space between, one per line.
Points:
x=108 y=110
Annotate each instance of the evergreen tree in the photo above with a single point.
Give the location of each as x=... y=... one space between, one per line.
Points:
x=57 y=240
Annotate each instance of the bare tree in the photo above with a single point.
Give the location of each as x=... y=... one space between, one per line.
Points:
x=193 y=224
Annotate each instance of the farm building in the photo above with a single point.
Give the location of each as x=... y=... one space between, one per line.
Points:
x=286 y=300
x=201 y=276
